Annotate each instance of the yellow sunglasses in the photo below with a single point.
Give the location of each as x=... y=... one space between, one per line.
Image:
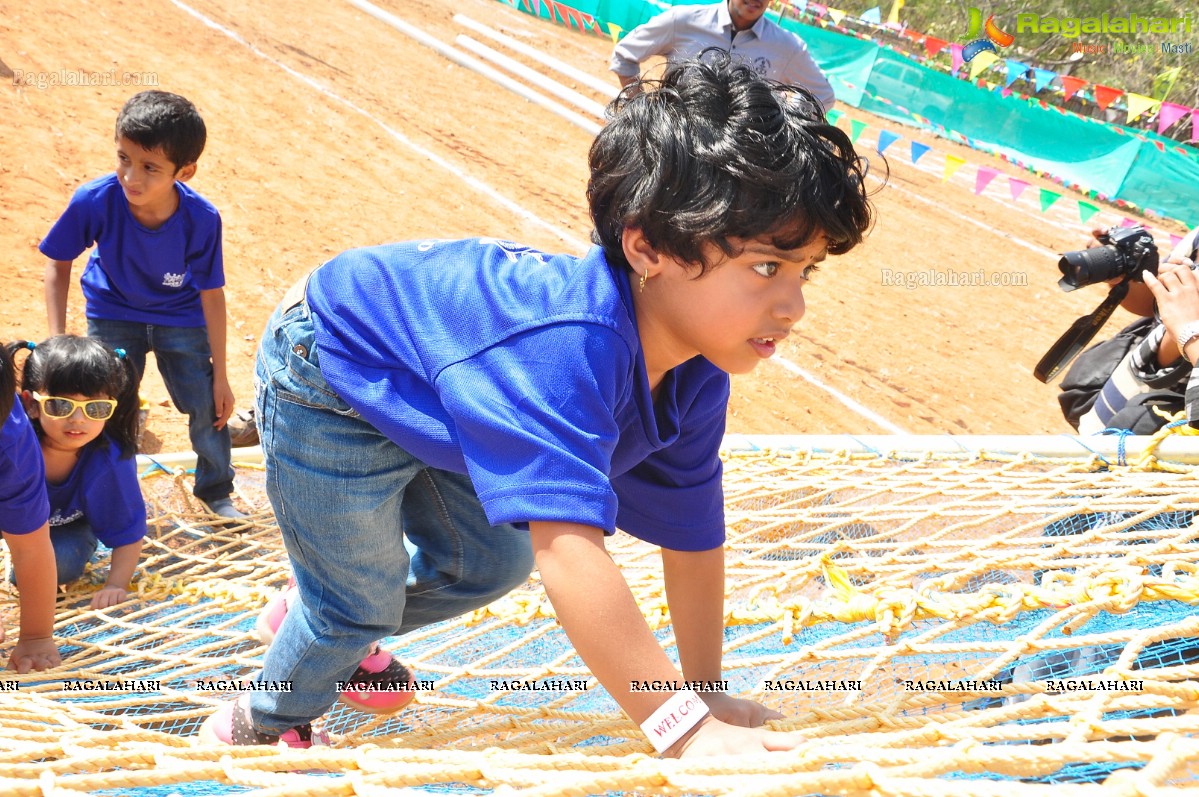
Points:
x=58 y=407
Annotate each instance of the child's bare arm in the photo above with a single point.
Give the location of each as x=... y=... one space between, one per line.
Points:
x=57 y=283
x=695 y=594
x=116 y=589
x=598 y=612
x=33 y=564
x=213 y=304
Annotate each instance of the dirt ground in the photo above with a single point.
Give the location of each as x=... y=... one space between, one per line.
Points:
x=329 y=130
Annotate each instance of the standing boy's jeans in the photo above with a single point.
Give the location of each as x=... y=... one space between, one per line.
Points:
x=380 y=544
x=185 y=362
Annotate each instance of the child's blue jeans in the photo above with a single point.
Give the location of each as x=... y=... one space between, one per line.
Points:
x=74 y=545
x=185 y=362
x=380 y=543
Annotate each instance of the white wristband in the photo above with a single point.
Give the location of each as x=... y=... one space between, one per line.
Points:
x=682 y=712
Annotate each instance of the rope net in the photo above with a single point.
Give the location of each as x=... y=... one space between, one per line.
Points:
x=968 y=625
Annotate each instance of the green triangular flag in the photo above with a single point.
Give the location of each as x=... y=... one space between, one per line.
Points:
x=1048 y=198
x=1085 y=211
x=855 y=129
x=834 y=116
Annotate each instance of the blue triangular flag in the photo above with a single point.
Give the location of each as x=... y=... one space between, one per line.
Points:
x=918 y=150
x=1015 y=71
x=1044 y=77
x=885 y=139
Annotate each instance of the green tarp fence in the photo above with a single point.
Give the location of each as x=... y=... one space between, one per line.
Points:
x=1139 y=167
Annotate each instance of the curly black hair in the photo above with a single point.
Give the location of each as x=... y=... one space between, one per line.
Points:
x=712 y=151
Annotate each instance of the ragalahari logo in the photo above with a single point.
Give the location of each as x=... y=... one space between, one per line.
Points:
x=977 y=44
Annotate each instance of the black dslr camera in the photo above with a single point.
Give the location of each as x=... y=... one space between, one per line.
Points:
x=1127 y=252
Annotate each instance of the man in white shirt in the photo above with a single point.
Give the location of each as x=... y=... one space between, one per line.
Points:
x=736 y=26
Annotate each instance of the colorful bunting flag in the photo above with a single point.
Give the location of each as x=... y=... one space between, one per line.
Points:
x=933 y=45
x=1048 y=198
x=1086 y=210
x=1070 y=85
x=873 y=16
x=980 y=62
x=1170 y=113
x=896 y=7
x=1164 y=82
x=952 y=164
x=955 y=52
x=855 y=129
x=885 y=139
x=1016 y=186
x=614 y=31
x=1015 y=70
x=837 y=15
x=1138 y=104
x=985 y=175
x=918 y=150
x=1043 y=77
x=1105 y=95
x=834 y=116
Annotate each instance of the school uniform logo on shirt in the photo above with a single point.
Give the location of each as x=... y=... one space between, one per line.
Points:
x=170 y=280
x=59 y=519
x=512 y=250
x=761 y=66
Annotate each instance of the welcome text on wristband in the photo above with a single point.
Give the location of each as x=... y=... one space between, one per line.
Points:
x=671 y=721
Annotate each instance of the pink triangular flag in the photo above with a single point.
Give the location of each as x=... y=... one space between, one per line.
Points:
x=1017 y=186
x=1169 y=114
x=985 y=175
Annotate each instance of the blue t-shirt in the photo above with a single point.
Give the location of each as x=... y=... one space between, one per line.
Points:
x=23 y=505
x=103 y=489
x=135 y=273
x=525 y=371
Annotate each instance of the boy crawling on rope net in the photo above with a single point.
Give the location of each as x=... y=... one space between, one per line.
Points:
x=438 y=416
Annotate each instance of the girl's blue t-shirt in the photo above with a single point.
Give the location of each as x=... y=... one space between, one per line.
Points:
x=103 y=489
x=23 y=505
x=525 y=371
x=135 y=273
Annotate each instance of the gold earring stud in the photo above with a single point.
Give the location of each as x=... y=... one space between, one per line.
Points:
x=641 y=284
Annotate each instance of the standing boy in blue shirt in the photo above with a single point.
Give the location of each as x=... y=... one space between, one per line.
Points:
x=155 y=281
x=493 y=406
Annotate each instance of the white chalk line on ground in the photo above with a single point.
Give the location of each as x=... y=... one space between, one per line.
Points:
x=850 y=403
x=564 y=235
x=491 y=193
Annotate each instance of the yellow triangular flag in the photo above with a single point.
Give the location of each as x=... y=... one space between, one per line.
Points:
x=1139 y=103
x=981 y=62
x=614 y=31
x=952 y=164
x=893 y=17
x=837 y=15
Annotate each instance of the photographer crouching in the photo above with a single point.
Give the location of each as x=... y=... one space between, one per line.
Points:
x=1135 y=379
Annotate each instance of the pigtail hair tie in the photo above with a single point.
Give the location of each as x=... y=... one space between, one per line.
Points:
x=29 y=344
x=120 y=353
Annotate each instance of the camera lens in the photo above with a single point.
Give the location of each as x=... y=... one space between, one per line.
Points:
x=1089 y=266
